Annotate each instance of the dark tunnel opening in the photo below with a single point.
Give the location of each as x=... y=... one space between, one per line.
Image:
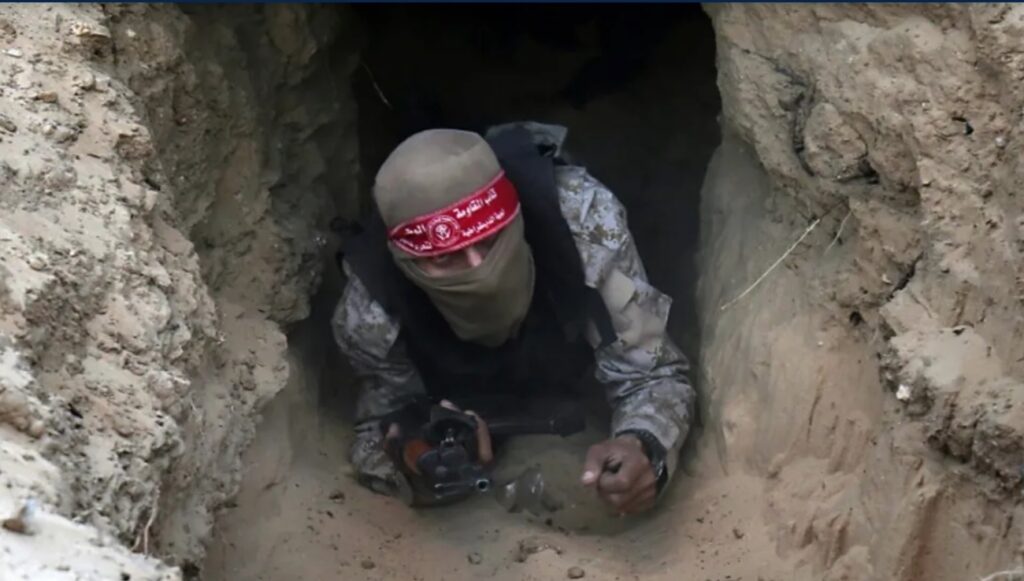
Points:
x=633 y=85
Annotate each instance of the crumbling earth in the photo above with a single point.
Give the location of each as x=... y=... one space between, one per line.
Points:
x=166 y=177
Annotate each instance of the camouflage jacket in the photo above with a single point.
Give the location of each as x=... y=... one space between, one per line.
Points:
x=643 y=371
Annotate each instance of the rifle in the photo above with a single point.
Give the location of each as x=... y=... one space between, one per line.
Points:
x=437 y=447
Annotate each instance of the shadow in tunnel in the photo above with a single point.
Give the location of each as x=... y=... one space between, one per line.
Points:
x=635 y=86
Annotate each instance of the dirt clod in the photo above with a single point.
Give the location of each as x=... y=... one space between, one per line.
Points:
x=7 y=31
x=531 y=546
x=474 y=558
x=367 y=564
x=576 y=573
x=174 y=303
x=20 y=522
x=7 y=125
x=16 y=525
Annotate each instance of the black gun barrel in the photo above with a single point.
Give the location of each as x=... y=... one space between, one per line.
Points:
x=565 y=425
x=512 y=416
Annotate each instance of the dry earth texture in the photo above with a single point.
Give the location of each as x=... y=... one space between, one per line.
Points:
x=164 y=181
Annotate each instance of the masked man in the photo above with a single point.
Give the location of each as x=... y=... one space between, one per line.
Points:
x=492 y=266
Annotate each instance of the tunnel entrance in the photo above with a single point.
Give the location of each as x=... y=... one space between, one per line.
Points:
x=169 y=176
x=635 y=88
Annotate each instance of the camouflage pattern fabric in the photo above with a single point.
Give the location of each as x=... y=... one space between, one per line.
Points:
x=644 y=373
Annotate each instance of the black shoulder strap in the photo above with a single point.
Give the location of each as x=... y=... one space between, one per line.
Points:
x=555 y=254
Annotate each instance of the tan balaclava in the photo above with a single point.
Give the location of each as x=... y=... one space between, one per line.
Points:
x=438 y=192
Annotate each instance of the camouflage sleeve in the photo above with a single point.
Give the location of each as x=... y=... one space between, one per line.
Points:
x=367 y=335
x=644 y=372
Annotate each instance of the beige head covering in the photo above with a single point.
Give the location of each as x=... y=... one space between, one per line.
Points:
x=430 y=171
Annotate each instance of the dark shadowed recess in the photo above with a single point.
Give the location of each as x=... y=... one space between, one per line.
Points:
x=635 y=85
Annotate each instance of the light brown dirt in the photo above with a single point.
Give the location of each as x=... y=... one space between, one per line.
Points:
x=299 y=457
x=150 y=253
x=895 y=125
x=252 y=124
x=165 y=179
x=104 y=316
x=300 y=515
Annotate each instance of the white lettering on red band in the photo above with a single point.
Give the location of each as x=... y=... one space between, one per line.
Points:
x=477 y=216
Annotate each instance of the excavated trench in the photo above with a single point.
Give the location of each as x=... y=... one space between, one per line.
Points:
x=644 y=130
x=805 y=461
x=829 y=193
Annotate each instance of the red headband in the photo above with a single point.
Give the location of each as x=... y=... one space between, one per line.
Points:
x=466 y=222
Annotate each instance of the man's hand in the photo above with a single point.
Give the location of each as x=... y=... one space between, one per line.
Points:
x=483 y=439
x=622 y=474
x=483 y=436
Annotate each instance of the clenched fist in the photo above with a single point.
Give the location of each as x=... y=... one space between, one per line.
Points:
x=622 y=474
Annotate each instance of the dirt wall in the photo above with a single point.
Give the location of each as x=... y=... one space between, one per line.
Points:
x=255 y=126
x=874 y=376
x=164 y=178
x=164 y=181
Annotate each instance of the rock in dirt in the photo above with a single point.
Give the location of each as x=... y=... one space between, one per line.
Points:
x=368 y=564
x=532 y=546
x=21 y=523
x=576 y=573
x=7 y=125
x=7 y=31
x=16 y=525
x=475 y=558
x=37 y=262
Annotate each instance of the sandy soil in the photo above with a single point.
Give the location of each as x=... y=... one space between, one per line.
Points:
x=809 y=465
x=300 y=515
x=139 y=308
x=296 y=536
x=166 y=179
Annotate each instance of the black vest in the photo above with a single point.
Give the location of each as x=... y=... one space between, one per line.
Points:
x=550 y=353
